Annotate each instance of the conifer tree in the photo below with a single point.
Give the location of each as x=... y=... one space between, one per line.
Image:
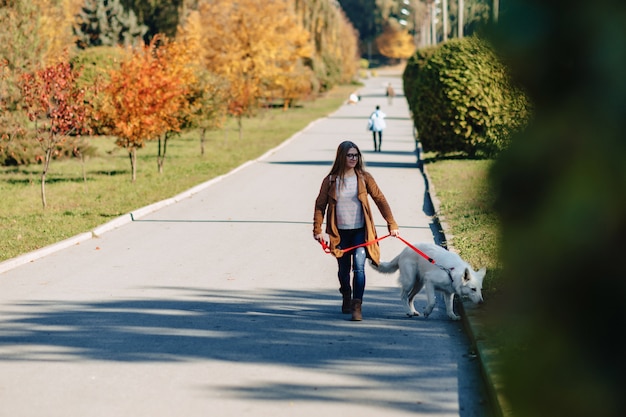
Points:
x=107 y=23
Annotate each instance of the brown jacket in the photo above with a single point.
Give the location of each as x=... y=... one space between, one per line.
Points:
x=326 y=202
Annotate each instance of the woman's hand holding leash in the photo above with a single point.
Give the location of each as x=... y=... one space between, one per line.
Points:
x=322 y=241
x=394 y=232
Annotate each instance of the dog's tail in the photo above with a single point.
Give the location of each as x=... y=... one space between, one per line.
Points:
x=387 y=267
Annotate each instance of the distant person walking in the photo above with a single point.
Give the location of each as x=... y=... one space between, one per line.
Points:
x=377 y=124
x=390 y=93
x=343 y=198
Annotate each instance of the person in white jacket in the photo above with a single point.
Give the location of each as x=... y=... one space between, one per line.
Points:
x=377 y=125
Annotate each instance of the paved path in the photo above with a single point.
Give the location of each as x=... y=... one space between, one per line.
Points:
x=220 y=303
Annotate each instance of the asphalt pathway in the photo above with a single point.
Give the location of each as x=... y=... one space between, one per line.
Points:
x=219 y=302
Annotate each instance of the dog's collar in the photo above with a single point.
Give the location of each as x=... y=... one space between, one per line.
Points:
x=449 y=272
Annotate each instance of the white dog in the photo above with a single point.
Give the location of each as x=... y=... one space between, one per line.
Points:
x=450 y=274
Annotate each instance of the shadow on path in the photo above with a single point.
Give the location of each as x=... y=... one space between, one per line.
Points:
x=301 y=329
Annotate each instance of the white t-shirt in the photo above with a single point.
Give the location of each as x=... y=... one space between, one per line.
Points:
x=349 y=209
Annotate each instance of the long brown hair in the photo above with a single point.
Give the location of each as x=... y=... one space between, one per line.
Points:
x=339 y=166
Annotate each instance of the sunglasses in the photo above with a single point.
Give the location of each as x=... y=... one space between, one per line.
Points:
x=352 y=155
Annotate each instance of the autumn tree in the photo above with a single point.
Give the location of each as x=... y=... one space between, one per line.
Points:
x=200 y=92
x=56 y=107
x=395 y=43
x=348 y=49
x=33 y=33
x=251 y=43
x=335 y=41
x=208 y=92
x=28 y=39
x=293 y=85
x=144 y=100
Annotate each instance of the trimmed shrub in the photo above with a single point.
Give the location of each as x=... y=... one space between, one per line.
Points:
x=465 y=102
x=409 y=77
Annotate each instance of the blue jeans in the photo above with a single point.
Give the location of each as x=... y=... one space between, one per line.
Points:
x=355 y=260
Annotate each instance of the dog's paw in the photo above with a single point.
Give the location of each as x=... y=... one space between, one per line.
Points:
x=454 y=317
x=413 y=314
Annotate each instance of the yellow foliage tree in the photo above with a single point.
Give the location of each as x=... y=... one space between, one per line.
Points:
x=55 y=26
x=293 y=85
x=251 y=44
x=395 y=43
x=206 y=93
x=348 y=40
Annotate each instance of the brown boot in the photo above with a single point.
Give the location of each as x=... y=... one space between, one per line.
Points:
x=346 y=305
x=356 y=310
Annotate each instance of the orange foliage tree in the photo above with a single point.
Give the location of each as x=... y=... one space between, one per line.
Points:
x=57 y=108
x=178 y=65
x=395 y=43
x=251 y=44
x=144 y=99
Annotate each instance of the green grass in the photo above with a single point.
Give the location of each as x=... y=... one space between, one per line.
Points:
x=465 y=206
x=76 y=206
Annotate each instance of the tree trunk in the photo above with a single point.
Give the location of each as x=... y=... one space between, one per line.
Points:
x=132 y=154
x=461 y=23
x=444 y=19
x=161 y=158
x=82 y=164
x=46 y=165
x=240 y=122
x=496 y=10
x=202 y=139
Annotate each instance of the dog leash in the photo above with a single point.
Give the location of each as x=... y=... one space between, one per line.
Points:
x=327 y=248
x=419 y=252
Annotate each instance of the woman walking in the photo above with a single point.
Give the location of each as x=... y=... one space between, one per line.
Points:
x=343 y=198
x=377 y=124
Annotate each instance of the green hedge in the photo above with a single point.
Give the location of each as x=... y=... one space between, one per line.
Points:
x=464 y=101
x=413 y=67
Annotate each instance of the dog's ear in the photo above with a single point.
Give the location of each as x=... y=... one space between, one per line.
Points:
x=480 y=275
x=467 y=276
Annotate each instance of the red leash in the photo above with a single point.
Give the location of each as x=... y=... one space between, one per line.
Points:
x=419 y=252
x=422 y=254
x=327 y=248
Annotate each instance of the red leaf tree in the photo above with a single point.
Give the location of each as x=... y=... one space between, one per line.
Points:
x=57 y=108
